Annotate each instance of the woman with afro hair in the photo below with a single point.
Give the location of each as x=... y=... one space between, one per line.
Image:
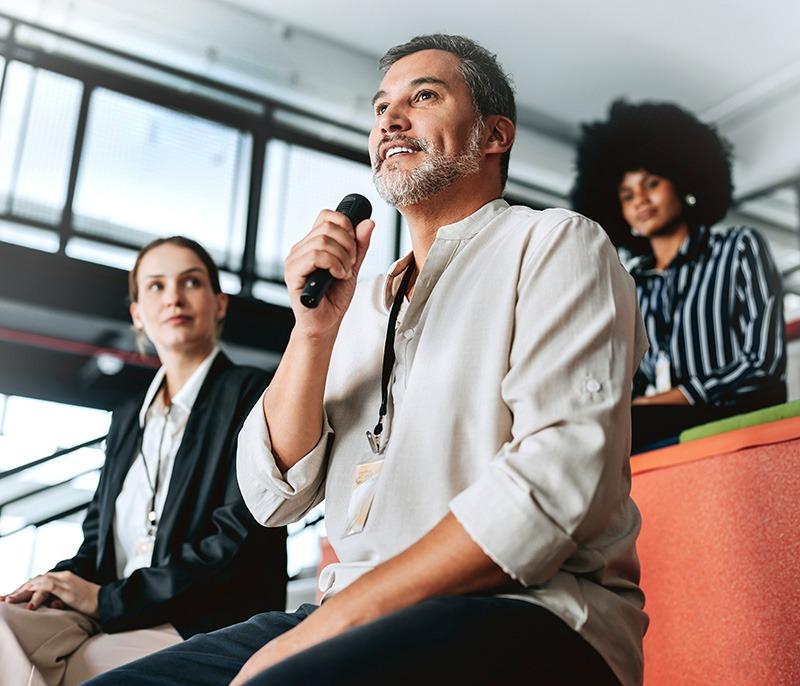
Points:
x=657 y=179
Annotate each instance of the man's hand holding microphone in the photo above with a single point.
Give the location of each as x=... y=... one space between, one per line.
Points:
x=321 y=269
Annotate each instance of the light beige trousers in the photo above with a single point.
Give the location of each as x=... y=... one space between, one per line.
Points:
x=48 y=647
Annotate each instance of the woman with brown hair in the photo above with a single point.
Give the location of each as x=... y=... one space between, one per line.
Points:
x=169 y=549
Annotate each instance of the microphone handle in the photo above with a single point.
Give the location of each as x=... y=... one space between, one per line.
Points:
x=356 y=208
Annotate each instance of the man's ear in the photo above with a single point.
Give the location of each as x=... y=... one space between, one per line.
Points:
x=501 y=133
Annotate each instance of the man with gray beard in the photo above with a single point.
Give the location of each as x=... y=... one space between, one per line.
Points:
x=466 y=420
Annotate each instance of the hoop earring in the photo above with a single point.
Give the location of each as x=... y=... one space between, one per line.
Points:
x=690 y=200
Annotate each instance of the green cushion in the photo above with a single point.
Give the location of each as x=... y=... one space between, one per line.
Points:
x=741 y=421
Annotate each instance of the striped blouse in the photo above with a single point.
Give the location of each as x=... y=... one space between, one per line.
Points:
x=716 y=314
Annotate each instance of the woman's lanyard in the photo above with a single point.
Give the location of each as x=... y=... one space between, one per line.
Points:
x=374 y=436
x=151 y=519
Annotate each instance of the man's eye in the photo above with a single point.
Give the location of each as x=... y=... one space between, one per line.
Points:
x=426 y=95
x=380 y=109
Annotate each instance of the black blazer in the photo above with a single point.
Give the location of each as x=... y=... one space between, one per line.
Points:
x=213 y=564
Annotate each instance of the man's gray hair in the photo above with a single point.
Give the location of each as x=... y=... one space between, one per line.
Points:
x=491 y=88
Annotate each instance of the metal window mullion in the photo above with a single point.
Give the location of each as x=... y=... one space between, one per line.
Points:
x=3 y=79
x=257 y=159
x=66 y=228
x=234 y=197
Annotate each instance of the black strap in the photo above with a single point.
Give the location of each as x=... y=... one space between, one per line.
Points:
x=152 y=522
x=388 y=347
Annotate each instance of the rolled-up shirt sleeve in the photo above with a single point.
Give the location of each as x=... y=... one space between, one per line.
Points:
x=273 y=498
x=577 y=342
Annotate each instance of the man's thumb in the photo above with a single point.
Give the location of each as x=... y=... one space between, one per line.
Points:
x=363 y=237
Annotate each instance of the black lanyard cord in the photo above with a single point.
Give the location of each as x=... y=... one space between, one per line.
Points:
x=388 y=352
x=154 y=483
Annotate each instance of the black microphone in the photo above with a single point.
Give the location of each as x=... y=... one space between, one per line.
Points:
x=356 y=208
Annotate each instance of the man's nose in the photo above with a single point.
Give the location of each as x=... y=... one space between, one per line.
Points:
x=393 y=119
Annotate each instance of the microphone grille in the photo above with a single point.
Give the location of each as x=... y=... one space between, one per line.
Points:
x=356 y=207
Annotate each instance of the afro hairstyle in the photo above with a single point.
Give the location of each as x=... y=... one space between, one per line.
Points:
x=662 y=139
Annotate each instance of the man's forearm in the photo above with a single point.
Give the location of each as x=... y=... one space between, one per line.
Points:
x=446 y=561
x=293 y=402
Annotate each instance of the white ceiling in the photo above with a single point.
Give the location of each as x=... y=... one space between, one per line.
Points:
x=569 y=58
x=735 y=62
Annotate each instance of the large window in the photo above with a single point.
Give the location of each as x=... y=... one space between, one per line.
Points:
x=38 y=118
x=155 y=160
x=300 y=182
x=31 y=429
x=149 y=171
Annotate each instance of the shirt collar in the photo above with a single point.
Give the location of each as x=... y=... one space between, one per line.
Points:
x=460 y=230
x=691 y=247
x=184 y=398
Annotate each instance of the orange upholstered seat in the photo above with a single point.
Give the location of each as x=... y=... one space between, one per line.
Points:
x=720 y=553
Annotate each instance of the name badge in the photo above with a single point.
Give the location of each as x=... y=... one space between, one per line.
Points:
x=143 y=551
x=362 y=495
x=663 y=374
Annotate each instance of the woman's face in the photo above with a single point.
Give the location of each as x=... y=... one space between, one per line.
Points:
x=177 y=307
x=650 y=203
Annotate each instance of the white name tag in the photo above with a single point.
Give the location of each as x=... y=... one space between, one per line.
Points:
x=663 y=373
x=143 y=551
x=362 y=495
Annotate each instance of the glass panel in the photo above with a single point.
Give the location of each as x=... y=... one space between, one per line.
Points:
x=16 y=552
x=33 y=551
x=30 y=504
x=777 y=208
x=56 y=541
x=298 y=184
x=272 y=293
x=77 y=52
x=29 y=237
x=303 y=547
x=230 y=283
x=24 y=440
x=101 y=253
x=38 y=117
x=149 y=171
x=322 y=130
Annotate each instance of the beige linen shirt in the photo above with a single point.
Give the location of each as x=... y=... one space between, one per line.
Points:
x=510 y=407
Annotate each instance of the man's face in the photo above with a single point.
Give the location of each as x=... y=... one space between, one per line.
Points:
x=426 y=133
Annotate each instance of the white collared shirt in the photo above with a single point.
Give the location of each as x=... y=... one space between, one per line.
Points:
x=509 y=407
x=132 y=505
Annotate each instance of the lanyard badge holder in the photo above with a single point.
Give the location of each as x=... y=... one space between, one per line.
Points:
x=374 y=437
x=145 y=544
x=367 y=473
